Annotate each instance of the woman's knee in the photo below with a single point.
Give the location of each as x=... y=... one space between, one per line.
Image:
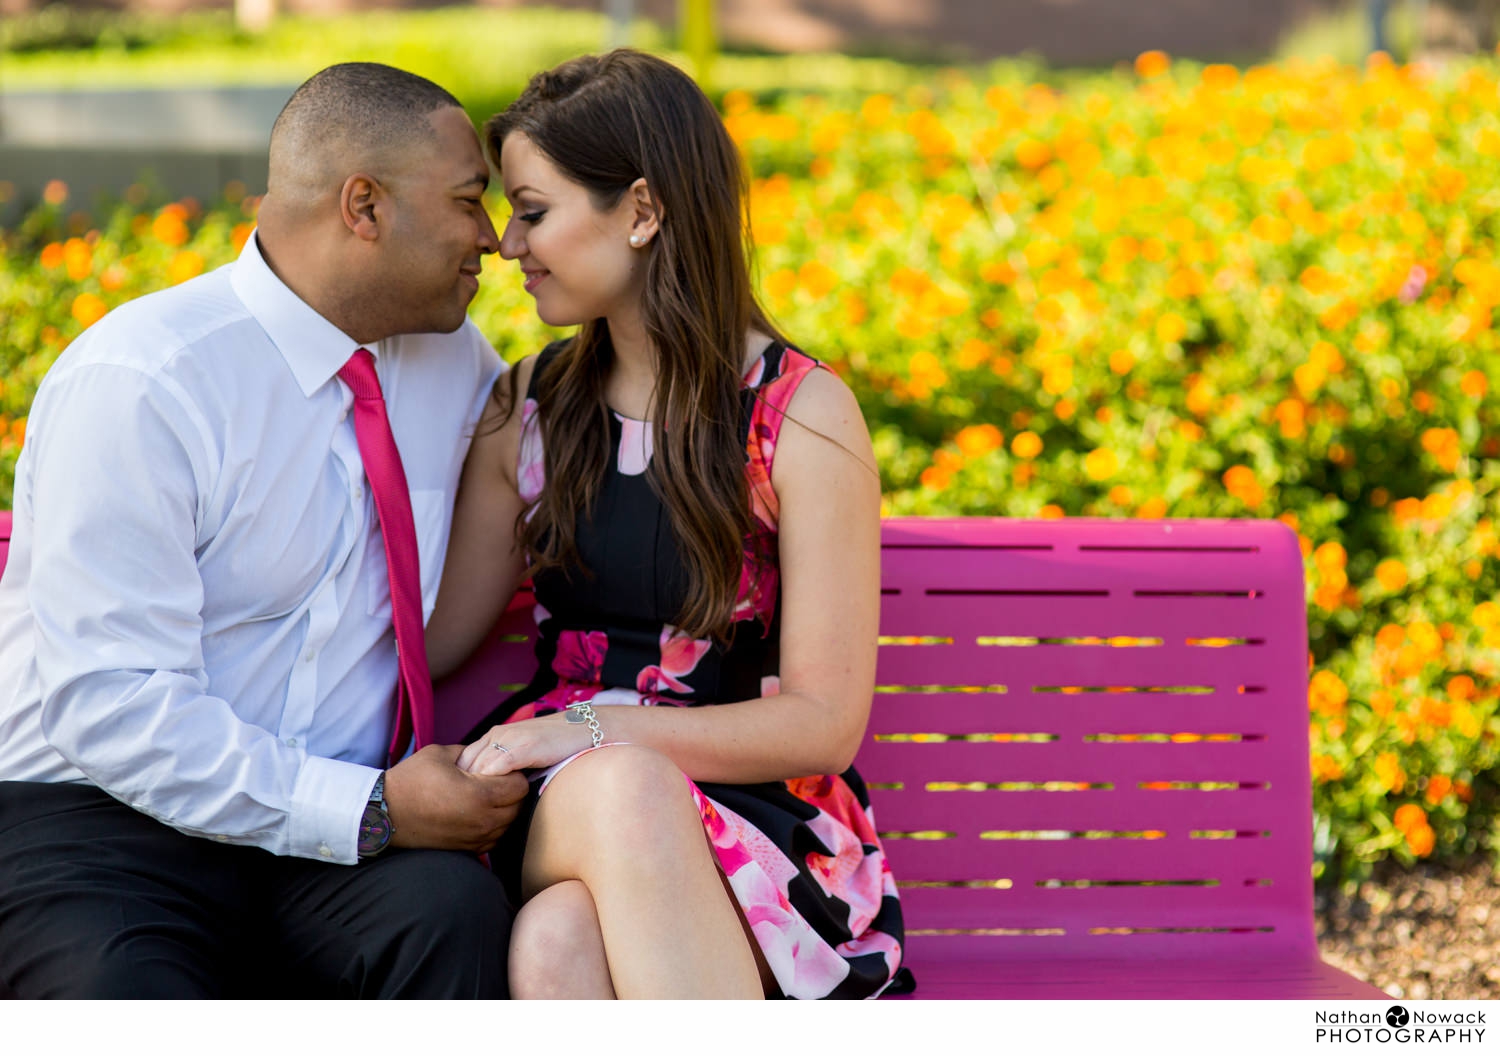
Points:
x=556 y=948
x=624 y=788
x=624 y=811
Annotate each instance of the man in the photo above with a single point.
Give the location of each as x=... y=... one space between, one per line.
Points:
x=196 y=644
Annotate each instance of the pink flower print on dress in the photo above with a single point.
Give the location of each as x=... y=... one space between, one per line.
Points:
x=531 y=467
x=874 y=942
x=759 y=582
x=580 y=655
x=732 y=854
x=857 y=878
x=804 y=965
x=759 y=451
x=679 y=657
x=833 y=796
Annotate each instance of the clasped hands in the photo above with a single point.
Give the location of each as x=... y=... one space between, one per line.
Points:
x=464 y=798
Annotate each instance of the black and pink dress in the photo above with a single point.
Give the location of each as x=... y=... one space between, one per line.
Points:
x=802 y=856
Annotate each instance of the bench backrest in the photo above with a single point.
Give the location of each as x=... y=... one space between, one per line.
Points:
x=1089 y=738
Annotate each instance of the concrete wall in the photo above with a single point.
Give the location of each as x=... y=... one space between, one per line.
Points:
x=185 y=141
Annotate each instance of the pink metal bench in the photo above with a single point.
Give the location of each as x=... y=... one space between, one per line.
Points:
x=1087 y=755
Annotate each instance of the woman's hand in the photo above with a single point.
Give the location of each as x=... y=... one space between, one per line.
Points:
x=530 y=744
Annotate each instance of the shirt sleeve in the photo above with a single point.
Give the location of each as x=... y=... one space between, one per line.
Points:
x=118 y=474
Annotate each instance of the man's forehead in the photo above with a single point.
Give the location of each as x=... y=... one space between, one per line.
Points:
x=461 y=156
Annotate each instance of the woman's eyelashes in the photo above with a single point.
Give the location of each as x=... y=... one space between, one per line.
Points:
x=531 y=217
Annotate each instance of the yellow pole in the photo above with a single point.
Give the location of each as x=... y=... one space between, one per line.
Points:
x=699 y=39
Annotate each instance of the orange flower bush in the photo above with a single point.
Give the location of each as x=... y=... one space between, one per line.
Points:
x=1170 y=290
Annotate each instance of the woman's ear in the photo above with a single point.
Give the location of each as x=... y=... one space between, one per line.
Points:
x=644 y=211
x=359 y=202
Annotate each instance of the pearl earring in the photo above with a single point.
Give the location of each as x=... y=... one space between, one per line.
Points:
x=637 y=241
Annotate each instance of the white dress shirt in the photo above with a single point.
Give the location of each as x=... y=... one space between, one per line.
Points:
x=195 y=612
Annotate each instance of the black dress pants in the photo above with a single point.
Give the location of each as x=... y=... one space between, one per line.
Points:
x=100 y=901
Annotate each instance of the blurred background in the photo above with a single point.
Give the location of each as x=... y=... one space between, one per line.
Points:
x=1075 y=257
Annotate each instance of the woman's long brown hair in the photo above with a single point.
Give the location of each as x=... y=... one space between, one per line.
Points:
x=606 y=121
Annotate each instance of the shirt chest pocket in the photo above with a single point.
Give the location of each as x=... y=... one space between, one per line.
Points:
x=429 y=511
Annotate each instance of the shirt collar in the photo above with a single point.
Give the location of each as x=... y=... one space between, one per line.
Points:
x=313 y=347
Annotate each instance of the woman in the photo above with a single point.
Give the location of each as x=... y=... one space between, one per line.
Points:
x=698 y=507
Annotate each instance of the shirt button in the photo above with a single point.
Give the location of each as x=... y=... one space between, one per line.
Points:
x=309 y=656
x=326 y=851
x=291 y=742
x=359 y=491
x=222 y=838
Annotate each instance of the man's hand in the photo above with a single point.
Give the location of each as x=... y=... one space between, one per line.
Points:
x=434 y=804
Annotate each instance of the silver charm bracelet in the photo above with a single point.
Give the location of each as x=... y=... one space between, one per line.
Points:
x=583 y=711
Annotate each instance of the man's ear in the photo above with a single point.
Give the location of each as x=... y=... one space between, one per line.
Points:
x=360 y=202
x=646 y=213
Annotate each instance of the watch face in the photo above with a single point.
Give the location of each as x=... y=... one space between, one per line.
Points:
x=374 y=830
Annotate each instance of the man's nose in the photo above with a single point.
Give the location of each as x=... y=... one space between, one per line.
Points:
x=489 y=241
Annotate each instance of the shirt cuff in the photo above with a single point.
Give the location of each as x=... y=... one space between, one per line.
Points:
x=327 y=804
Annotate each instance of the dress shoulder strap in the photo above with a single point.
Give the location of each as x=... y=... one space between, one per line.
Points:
x=769 y=390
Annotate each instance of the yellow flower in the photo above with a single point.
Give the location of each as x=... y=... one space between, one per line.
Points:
x=1389 y=773
x=88 y=309
x=1100 y=464
x=1171 y=328
x=170 y=226
x=1240 y=482
x=1151 y=64
x=1026 y=445
x=1326 y=693
x=78 y=257
x=1409 y=816
x=187 y=264
x=976 y=440
x=1391 y=574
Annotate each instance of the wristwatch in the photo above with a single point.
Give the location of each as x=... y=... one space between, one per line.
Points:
x=375 y=827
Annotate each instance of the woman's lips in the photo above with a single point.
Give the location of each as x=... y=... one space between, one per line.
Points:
x=533 y=279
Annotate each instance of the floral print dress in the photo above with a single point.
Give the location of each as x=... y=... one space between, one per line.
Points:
x=801 y=856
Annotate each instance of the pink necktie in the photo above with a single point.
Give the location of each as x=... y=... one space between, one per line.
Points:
x=377 y=447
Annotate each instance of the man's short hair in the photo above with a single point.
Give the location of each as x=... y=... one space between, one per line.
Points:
x=365 y=109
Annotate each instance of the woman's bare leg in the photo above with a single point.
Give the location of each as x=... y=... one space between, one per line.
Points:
x=623 y=821
x=556 y=949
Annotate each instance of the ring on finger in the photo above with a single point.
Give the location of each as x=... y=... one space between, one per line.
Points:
x=500 y=747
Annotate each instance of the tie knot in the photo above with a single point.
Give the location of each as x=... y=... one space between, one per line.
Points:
x=359 y=374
